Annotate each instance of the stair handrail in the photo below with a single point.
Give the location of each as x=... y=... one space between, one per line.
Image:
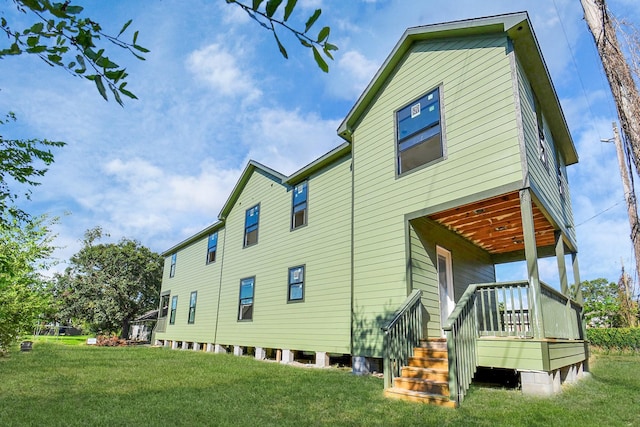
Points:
x=401 y=334
x=461 y=329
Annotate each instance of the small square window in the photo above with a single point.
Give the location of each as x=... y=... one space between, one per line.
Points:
x=296 y=283
x=212 y=247
x=245 y=308
x=251 y=222
x=299 y=210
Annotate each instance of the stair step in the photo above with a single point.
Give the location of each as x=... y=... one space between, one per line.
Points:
x=434 y=343
x=425 y=386
x=430 y=352
x=416 y=396
x=425 y=373
x=429 y=362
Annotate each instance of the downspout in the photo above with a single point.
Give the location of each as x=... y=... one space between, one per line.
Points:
x=215 y=332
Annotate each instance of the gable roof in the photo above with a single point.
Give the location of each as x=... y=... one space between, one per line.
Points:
x=518 y=27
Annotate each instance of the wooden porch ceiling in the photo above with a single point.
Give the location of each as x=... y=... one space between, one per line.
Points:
x=496 y=224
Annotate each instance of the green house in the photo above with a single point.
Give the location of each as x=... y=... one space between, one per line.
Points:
x=383 y=251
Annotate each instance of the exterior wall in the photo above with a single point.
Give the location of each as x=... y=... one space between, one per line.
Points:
x=543 y=180
x=483 y=155
x=193 y=274
x=533 y=355
x=321 y=321
x=561 y=354
x=470 y=265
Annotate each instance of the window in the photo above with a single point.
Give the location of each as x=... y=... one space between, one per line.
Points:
x=251 y=226
x=192 y=307
x=299 y=213
x=245 y=310
x=212 y=247
x=172 y=271
x=174 y=305
x=419 y=132
x=164 y=305
x=542 y=146
x=296 y=283
x=561 y=183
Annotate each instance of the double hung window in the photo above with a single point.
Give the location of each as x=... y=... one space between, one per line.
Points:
x=172 y=270
x=212 y=247
x=296 y=283
x=174 y=306
x=245 y=309
x=251 y=222
x=192 y=307
x=419 y=132
x=299 y=211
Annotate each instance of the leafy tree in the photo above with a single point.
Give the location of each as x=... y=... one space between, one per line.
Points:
x=606 y=305
x=23 y=291
x=108 y=285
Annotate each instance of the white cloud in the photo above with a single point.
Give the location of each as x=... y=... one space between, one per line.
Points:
x=288 y=140
x=352 y=73
x=221 y=70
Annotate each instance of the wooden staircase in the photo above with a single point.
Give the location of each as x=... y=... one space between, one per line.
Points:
x=426 y=379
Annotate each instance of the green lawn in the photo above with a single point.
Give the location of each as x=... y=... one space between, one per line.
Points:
x=59 y=385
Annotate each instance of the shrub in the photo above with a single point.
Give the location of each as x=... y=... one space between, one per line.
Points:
x=615 y=338
x=110 y=341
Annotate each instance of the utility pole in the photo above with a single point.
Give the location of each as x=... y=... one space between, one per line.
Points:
x=623 y=87
x=629 y=197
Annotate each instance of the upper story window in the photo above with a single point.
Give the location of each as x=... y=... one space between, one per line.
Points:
x=174 y=307
x=172 y=270
x=245 y=308
x=561 y=183
x=192 y=307
x=212 y=247
x=542 y=145
x=251 y=226
x=419 y=132
x=299 y=212
x=296 y=283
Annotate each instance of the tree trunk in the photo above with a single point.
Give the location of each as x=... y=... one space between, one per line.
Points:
x=125 y=329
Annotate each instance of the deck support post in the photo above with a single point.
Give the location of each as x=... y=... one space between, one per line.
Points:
x=562 y=267
x=287 y=356
x=322 y=359
x=217 y=348
x=260 y=353
x=531 y=254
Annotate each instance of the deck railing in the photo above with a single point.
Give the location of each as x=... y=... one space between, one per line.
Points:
x=401 y=334
x=461 y=330
x=501 y=310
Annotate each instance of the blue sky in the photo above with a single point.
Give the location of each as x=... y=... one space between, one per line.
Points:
x=214 y=92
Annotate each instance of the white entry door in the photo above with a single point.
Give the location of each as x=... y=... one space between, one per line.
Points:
x=445 y=282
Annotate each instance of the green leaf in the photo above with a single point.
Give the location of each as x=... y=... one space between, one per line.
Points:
x=304 y=42
x=105 y=62
x=320 y=60
x=124 y=27
x=329 y=46
x=32 y=41
x=327 y=52
x=272 y=6
x=36 y=49
x=98 y=80
x=291 y=4
x=256 y=4
x=74 y=10
x=56 y=59
x=126 y=92
x=323 y=34
x=312 y=20
x=37 y=28
x=283 y=51
x=135 y=37
x=141 y=49
x=116 y=95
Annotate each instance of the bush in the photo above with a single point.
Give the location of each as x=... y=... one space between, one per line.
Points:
x=110 y=341
x=615 y=338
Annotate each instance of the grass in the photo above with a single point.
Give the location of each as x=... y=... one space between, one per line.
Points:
x=59 y=385
x=59 y=339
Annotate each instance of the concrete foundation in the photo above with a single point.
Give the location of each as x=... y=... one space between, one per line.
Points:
x=174 y=345
x=261 y=354
x=322 y=359
x=287 y=356
x=361 y=365
x=217 y=348
x=237 y=350
x=209 y=347
x=542 y=383
x=196 y=346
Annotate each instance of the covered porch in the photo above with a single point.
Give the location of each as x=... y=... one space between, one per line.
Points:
x=523 y=325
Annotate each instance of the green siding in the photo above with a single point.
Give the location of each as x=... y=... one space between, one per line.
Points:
x=470 y=265
x=510 y=354
x=321 y=322
x=194 y=274
x=482 y=154
x=561 y=354
x=543 y=180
